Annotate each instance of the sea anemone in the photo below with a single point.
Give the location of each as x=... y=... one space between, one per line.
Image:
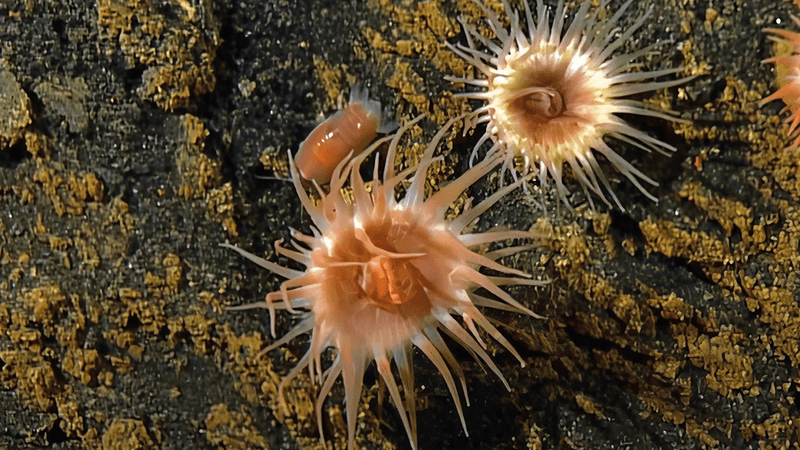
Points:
x=383 y=274
x=551 y=97
x=788 y=67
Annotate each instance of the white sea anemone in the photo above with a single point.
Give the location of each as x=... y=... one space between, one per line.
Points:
x=552 y=96
x=383 y=274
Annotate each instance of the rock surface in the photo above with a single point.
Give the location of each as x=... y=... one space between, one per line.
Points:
x=136 y=135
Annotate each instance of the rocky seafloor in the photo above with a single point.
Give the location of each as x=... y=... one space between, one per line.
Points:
x=137 y=135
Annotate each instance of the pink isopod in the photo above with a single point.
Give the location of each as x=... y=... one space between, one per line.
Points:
x=351 y=129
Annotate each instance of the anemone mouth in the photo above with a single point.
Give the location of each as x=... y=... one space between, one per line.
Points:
x=391 y=284
x=368 y=266
x=539 y=104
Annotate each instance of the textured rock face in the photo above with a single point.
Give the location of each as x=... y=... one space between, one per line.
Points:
x=137 y=135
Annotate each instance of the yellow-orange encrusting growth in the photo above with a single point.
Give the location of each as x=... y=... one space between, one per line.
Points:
x=552 y=95
x=383 y=275
x=788 y=68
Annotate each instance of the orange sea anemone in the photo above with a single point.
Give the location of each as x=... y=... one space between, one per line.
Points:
x=383 y=274
x=788 y=68
x=552 y=96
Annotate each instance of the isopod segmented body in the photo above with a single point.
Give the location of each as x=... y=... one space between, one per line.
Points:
x=351 y=129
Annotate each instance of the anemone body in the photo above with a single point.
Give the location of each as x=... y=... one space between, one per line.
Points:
x=788 y=68
x=552 y=95
x=383 y=275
